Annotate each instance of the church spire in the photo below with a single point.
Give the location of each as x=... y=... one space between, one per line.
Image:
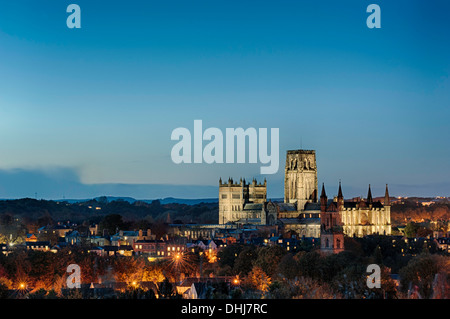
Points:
x=369 y=196
x=323 y=199
x=387 y=201
x=340 y=197
x=323 y=194
x=340 y=191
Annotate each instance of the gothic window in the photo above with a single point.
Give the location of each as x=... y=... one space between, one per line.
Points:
x=327 y=243
x=338 y=243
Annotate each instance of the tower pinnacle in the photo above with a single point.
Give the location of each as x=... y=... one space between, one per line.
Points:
x=369 y=196
x=387 y=201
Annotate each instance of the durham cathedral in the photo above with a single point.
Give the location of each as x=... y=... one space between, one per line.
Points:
x=304 y=211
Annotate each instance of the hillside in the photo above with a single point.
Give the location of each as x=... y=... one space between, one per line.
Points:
x=43 y=211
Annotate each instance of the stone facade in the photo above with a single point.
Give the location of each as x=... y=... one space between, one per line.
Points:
x=300 y=178
x=235 y=200
x=365 y=217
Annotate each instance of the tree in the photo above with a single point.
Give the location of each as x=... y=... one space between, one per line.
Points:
x=268 y=258
x=308 y=288
x=228 y=255
x=288 y=266
x=111 y=223
x=11 y=230
x=257 y=279
x=153 y=273
x=166 y=290
x=308 y=262
x=5 y=285
x=411 y=229
x=420 y=272
x=378 y=257
x=244 y=262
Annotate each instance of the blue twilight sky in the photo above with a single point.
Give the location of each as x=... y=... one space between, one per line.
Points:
x=88 y=112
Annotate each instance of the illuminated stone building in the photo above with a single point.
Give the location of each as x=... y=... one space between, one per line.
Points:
x=301 y=211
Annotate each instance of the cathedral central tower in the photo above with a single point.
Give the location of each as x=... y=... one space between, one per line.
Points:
x=300 y=178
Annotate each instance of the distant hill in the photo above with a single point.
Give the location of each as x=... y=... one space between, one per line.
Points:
x=172 y=200
x=131 y=200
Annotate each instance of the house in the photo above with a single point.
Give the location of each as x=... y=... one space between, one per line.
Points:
x=186 y=285
x=443 y=244
x=59 y=230
x=4 y=249
x=288 y=243
x=198 y=290
x=73 y=237
x=154 y=248
x=202 y=288
x=93 y=230
x=98 y=240
x=210 y=245
x=58 y=247
x=38 y=245
x=97 y=250
x=227 y=239
x=202 y=244
x=124 y=250
x=175 y=247
x=124 y=237
x=220 y=243
x=128 y=237
x=111 y=250
x=109 y=289
x=31 y=238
